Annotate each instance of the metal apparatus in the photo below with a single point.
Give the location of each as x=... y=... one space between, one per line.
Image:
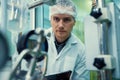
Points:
x=4 y=50
x=103 y=61
x=40 y=2
x=103 y=22
x=35 y=53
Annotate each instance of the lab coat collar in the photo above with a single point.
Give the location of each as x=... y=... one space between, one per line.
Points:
x=72 y=40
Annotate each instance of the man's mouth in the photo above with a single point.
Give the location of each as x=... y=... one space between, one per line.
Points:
x=61 y=31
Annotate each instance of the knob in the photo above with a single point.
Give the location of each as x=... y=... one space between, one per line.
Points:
x=96 y=12
x=99 y=63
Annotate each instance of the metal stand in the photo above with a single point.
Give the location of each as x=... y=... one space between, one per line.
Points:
x=103 y=22
x=35 y=53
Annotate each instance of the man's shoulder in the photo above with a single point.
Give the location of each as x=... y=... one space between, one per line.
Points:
x=77 y=42
x=76 y=39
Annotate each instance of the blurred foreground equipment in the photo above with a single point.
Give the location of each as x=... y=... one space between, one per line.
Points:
x=4 y=50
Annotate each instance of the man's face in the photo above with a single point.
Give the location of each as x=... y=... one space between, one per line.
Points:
x=62 y=25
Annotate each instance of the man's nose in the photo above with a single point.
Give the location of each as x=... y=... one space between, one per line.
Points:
x=61 y=23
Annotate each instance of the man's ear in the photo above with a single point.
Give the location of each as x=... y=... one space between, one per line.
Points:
x=74 y=22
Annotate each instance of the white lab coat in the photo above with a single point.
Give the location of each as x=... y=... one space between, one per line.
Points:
x=71 y=57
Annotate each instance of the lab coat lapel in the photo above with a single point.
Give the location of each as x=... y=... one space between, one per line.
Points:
x=67 y=47
x=64 y=51
x=54 y=47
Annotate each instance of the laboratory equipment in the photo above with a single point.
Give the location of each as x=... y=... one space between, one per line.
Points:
x=28 y=41
x=103 y=24
x=35 y=52
x=101 y=28
x=4 y=50
x=117 y=3
x=40 y=2
x=18 y=15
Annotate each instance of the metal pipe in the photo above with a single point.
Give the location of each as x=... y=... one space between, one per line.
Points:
x=40 y=2
x=13 y=72
x=35 y=4
x=42 y=16
x=36 y=53
x=103 y=75
x=102 y=35
x=100 y=3
x=3 y=27
x=31 y=69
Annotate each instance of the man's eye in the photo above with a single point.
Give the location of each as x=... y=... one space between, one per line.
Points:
x=56 y=19
x=67 y=19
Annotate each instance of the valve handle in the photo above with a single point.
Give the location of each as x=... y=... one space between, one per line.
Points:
x=99 y=63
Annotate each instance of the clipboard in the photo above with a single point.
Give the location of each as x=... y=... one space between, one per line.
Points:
x=60 y=76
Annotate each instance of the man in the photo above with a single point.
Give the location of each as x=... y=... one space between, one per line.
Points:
x=66 y=52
